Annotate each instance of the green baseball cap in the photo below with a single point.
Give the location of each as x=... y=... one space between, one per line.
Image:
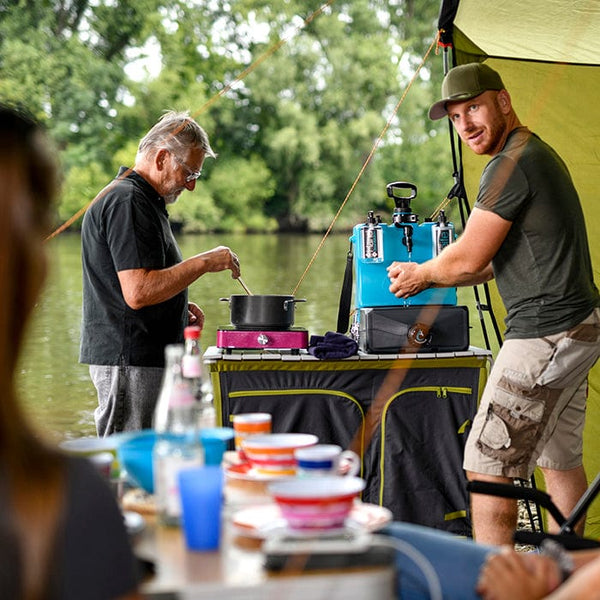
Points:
x=465 y=82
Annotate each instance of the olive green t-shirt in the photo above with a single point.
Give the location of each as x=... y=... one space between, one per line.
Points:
x=543 y=268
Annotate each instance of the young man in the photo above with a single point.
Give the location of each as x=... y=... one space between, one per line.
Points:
x=527 y=230
x=134 y=279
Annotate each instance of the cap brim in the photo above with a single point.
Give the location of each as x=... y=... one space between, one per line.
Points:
x=438 y=110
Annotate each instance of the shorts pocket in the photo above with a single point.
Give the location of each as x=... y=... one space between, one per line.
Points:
x=573 y=357
x=515 y=420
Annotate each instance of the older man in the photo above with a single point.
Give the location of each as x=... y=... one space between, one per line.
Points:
x=134 y=279
x=527 y=230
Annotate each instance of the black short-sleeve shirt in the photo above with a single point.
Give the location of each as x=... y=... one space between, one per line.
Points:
x=127 y=227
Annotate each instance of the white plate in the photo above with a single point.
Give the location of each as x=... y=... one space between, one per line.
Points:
x=88 y=445
x=260 y=521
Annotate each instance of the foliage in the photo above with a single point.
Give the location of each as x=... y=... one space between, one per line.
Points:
x=293 y=134
x=231 y=200
x=80 y=187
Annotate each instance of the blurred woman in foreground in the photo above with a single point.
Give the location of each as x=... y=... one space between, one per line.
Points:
x=61 y=533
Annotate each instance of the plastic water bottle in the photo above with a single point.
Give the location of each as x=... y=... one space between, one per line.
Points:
x=372 y=239
x=199 y=381
x=442 y=232
x=177 y=445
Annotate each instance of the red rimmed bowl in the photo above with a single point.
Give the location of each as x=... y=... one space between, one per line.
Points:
x=272 y=454
x=318 y=503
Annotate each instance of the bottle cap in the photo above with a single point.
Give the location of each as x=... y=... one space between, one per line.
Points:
x=192 y=332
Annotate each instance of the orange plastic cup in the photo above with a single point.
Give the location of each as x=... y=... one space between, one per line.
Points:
x=248 y=424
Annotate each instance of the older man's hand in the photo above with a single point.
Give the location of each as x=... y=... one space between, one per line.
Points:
x=221 y=258
x=195 y=315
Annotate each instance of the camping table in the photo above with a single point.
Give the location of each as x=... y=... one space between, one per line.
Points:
x=406 y=415
x=236 y=571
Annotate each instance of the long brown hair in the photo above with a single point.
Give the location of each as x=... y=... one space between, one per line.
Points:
x=31 y=473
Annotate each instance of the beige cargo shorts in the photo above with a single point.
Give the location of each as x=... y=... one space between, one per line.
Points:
x=533 y=407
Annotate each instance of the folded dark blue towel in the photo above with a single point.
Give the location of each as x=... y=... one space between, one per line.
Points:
x=332 y=345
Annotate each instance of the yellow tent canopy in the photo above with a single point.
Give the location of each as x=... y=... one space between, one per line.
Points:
x=548 y=53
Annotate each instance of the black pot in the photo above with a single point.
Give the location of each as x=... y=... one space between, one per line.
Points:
x=262 y=311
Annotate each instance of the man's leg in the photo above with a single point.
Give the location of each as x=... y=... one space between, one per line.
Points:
x=566 y=483
x=532 y=411
x=565 y=489
x=142 y=388
x=126 y=397
x=494 y=518
x=108 y=413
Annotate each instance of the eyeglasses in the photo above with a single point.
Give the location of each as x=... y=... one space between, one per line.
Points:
x=191 y=174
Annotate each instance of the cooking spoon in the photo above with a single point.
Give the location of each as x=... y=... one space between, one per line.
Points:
x=245 y=287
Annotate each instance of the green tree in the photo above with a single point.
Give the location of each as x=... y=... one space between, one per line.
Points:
x=293 y=133
x=64 y=62
x=316 y=108
x=80 y=187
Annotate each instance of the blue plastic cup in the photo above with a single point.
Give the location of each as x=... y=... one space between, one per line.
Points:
x=201 y=492
x=215 y=441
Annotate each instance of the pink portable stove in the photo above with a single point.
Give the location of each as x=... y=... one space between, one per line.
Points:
x=232 y=338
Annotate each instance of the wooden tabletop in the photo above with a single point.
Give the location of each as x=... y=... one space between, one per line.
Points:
x=237 y=572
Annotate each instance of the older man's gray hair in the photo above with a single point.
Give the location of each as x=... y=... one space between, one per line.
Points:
x=175 y=131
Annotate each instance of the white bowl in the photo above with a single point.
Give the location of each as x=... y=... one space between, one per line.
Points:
x=318 y=503
x=273 y=453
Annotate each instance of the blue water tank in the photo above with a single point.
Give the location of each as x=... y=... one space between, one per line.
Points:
x=370 y=274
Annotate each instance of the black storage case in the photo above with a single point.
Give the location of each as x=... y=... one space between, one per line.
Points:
x=427 y=328
x=406 y=416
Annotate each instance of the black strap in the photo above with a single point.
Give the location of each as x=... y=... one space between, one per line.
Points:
x=346 y=295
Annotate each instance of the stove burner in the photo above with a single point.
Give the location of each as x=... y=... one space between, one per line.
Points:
x=293 y=339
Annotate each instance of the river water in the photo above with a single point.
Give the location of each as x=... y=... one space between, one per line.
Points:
x=56 y=389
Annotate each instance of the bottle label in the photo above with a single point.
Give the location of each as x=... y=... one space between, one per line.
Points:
x=191 y=366
x=442 y=237
x=181 y=395
x=372 y=243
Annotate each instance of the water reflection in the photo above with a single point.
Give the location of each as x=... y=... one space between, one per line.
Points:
x=56 y=388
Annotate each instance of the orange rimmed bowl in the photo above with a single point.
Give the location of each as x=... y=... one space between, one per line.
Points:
x=272 y=454
x=316 y=503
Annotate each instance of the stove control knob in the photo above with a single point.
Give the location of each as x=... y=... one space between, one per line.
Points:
x=263 y=339
x=419 y=334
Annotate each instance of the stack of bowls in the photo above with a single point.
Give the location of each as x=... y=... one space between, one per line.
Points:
x=272 y=454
